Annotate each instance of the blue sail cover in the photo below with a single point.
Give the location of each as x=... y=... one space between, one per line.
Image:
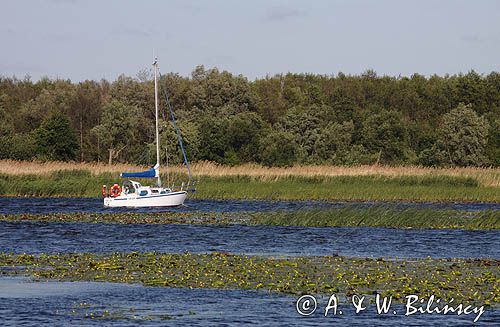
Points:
x=150 y=173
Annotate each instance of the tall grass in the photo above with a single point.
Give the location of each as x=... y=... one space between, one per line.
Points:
x=66 y=183
x=349 y=188
x=83 y=183
x=381 y=216
x=488 y=177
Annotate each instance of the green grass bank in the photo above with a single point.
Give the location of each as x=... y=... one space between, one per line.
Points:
x=81 y=183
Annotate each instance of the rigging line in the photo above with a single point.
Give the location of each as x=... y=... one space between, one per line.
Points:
x=176 y=129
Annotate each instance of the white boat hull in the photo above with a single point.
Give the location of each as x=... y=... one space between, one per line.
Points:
x=171 y=199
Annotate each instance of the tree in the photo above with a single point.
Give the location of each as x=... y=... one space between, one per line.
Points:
x=226 y=118
x=86 y=109
x=117 y=128
x=279 y=149
x=58 y=98
x=385 y=134
x=19 y=146
x=244 y=133
x=493 y=146
x=213 y=139
x=334 y=142
x=463 y=137
x=55 y=139
x=6 y=126
x=170 y=144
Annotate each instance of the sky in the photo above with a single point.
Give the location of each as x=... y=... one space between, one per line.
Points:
x=87 y=39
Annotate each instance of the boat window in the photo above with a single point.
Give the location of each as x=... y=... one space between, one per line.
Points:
x=143 y=193
x=163 y=192
x=154 y=191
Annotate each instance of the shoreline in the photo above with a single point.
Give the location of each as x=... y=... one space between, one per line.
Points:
x=341 y=188
x=349 y=201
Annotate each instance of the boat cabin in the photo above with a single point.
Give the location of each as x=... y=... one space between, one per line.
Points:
x=133 y=187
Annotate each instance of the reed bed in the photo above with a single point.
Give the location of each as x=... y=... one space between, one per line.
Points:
x=488 y=177
x=350 y=216
x=349 y=188
x=382 y=216
x=470 y=280
x=485 y=176
x=12 y=167
x=82 y=183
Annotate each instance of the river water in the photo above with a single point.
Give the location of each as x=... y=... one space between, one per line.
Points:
x=13 y=205
x=27 y=303
x=23 y=302
x=36 y=237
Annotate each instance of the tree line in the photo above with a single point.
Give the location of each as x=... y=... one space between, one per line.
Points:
x=279 y=120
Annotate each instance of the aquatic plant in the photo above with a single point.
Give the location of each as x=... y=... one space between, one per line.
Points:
x=371 y=183
x=471 y=280
x=348 y=216
x=381 y=216
x=348 y=188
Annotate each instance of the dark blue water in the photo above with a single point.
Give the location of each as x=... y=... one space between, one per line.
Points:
x=36 y=237
x=95 y=304
x=65 y=303
x=49 y=205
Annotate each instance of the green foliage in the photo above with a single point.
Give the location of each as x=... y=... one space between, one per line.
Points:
x=213 y=139
x=278 y=149
x=385 y=134
x=55 y=139
x=18 y=147
x=334 y=144
x=341 y=120
x=492 y=150
x=6 y=127
x=463 y=137
x=119 y=125
x=344 y=188
x=244 y=134
x=190 y=139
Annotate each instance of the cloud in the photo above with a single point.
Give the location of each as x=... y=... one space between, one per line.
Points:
x=281 y=13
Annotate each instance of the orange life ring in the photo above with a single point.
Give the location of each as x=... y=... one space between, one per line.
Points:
x=115 y=191
x=104 y=191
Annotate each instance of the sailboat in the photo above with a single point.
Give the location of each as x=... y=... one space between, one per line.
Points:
x=132 y=193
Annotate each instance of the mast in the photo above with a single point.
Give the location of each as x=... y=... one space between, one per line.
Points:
x=157 y=166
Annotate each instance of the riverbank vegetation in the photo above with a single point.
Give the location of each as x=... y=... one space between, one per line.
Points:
x=465 y=280
x=282 y=120
x=466 y=185
x=388 y=216
x=484 y=176
x=381 y=216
